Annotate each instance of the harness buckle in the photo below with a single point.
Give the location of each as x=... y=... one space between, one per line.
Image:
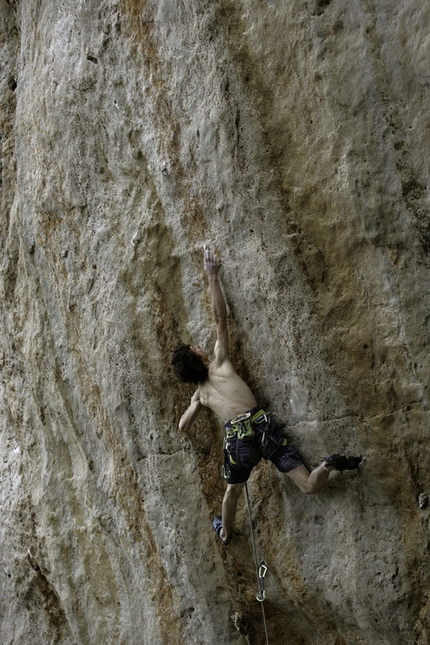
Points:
x=240 y=417
x=260 y=417
x=241 y=426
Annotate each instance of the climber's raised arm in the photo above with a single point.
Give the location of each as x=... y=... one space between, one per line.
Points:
x=219 y=309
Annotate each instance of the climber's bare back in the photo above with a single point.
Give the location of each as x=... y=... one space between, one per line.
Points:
x=224 y=392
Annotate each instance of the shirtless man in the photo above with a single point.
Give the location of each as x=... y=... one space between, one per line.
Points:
x=251 y=433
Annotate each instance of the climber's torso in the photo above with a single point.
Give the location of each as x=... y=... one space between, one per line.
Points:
x=225 y=392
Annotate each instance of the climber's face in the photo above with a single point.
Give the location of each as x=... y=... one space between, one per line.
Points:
x=196 y=349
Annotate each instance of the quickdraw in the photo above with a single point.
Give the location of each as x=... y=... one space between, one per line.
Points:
x=261 y=596
x=261 y=571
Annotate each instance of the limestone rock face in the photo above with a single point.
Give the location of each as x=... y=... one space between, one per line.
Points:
x=294 y=137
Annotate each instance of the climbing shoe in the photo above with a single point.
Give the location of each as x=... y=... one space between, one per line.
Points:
x=342 y=462
x=217 y=524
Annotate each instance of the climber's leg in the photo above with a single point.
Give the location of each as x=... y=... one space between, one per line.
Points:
x=313 y=482
x=223 y=527
x=316 y=480
x=229 y=507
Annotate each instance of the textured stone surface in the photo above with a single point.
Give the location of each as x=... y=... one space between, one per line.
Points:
x=295 y=137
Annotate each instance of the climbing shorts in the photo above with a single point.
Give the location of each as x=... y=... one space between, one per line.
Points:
x=251 y=437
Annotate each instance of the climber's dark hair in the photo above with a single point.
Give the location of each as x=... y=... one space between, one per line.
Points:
x=188 y=367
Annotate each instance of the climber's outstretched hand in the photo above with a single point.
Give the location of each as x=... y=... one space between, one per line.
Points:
x=211 y=262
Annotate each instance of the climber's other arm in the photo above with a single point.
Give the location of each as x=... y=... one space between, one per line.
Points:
x=190 y=414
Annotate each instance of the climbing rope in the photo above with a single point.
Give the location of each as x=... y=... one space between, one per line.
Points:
x=260 y=569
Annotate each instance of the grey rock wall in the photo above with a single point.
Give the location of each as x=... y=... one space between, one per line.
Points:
x=294 y=137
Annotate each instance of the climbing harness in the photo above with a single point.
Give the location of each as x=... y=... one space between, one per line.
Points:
x=242 y=425
x=261 y=569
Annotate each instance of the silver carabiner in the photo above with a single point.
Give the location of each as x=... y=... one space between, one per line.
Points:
x=261 y=596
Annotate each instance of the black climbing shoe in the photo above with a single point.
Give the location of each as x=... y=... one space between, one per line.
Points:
x=342 y=462
x=217 y=524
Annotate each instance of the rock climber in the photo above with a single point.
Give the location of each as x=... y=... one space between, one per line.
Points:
x=250 y=432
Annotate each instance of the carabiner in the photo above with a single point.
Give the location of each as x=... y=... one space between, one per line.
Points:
x=261 y=596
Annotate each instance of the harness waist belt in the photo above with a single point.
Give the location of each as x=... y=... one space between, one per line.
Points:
x=242 y=425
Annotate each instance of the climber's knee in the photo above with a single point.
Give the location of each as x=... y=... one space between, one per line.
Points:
x=301 y=477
